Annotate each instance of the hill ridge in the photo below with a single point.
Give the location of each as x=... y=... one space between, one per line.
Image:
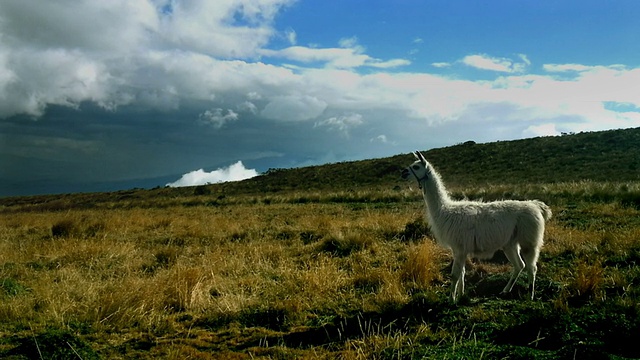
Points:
x=575 y=157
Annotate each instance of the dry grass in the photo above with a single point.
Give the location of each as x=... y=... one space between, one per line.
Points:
x=206 y=277
x=140 y=269
x=424 y=264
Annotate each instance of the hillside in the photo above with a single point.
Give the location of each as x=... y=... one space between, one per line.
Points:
x=599 y=156
x=612 y=155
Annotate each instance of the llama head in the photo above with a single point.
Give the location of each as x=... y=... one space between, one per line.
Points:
x=419 y=170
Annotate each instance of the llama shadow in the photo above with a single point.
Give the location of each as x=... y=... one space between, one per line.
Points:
x=488 y=285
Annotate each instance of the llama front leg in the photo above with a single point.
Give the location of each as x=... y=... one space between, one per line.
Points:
x=457 y=277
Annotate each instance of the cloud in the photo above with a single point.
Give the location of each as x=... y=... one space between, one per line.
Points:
x=235 y=172
x=248 y=106
x=350 y=54
x=225 y=29
x=36 y=79
x=541 y=130
x=291 y=36
x=381 y=139
x=441 y=65
x=341 y=124
x=486 y=62
x=123 y=25
x=565 y=67
x=351 y=43
x=217 y=118
x=146 y=52
x=294 y=108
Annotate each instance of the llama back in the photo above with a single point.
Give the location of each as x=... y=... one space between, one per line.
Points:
x=544 y=209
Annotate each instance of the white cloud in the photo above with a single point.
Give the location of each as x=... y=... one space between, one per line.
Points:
x=54 y=76
x=393 y=63
x=123 y=25
x=227 y=29
x=252 y=95
x=294 y=108
x=441 y=65
x=486 y=62
x=349 y=55
x=380 y=138
x=566 y=67
x=334 y=57
x=147 y=52
x=235 y=172
x=248 y=106
x=525 y=60
x=342 y=123
x=351 y=43
x=291 y=36
x=541 y=130
x=218 y=117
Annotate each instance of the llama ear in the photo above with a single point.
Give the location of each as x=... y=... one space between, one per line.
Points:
x=420 y=157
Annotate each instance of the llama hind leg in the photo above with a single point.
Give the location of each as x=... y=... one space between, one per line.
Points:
x=457 y=277
x=531 y=258
x=513 y=254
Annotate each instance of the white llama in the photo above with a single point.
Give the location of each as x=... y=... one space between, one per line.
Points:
x=480 y=229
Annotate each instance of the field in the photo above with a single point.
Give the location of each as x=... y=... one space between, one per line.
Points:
x=206 y=273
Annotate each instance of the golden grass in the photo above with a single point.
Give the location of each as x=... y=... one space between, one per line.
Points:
x=192 y=273
x=424 y=264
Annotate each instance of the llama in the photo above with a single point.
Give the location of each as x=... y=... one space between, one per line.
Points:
x=481 y=228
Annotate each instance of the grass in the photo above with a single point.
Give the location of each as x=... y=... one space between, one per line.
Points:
x=344 y=275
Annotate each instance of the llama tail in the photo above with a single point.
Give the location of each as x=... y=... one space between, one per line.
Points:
x=544 y=208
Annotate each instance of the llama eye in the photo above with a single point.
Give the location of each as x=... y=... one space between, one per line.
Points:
x=416 y=167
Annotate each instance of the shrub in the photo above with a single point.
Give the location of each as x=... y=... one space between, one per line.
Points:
x=64 y=228
x=342 y=245
x=588 y=281
x=310 y=236
x=415 y=230
x=423 y=264
x=201 y=190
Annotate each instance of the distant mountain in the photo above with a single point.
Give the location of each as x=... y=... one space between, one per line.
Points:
x=43 y=187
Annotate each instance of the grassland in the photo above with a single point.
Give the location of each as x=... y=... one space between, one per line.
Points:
x=269 y=268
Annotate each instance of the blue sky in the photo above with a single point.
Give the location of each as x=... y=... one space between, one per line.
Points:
x=106 y=95
x=586 y=32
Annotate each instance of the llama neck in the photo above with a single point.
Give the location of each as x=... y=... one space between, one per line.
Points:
x=434 y=193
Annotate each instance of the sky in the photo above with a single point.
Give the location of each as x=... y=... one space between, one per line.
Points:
x=108 y=95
